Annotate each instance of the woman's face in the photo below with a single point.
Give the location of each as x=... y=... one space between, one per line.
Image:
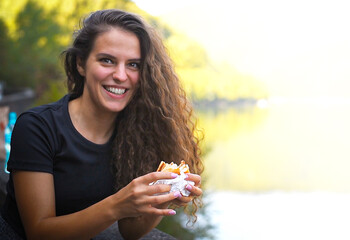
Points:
x=111 y=70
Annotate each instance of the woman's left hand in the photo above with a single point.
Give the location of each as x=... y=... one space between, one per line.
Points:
x=195 y=190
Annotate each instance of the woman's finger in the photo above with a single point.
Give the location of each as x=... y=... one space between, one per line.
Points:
x=195 y=191
x=158 y=189
x=160 y=199
x=179 y=203
x=183 y=201
x=160 y=212
x=154 y=176
x=194 y=178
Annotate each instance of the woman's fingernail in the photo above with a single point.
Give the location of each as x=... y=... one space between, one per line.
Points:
x=186 y=176
x=174 y=175
x=177 y=194
x=189 y=187
x=172 y=212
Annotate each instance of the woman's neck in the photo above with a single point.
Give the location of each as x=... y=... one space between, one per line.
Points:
x=93 y=124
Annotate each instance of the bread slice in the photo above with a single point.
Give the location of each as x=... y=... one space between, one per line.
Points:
x=173 y=167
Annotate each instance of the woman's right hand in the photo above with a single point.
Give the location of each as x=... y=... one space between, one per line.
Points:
x=139 y=197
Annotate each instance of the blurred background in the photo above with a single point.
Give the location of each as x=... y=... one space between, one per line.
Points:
x=269 y=80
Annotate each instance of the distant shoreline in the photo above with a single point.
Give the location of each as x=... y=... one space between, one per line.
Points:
x=222 y=103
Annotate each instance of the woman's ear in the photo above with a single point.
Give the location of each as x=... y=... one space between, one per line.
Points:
x=80 y=67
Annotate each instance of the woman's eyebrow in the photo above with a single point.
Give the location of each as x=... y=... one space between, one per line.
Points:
x=105 y=55
x=135 y=59
x=112 y=57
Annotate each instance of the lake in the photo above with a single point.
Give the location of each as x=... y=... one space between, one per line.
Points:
x=279 y=170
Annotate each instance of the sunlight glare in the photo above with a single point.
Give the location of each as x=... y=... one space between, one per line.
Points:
x=297 y=48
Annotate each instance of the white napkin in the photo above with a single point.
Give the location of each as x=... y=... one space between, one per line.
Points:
x=177 y=184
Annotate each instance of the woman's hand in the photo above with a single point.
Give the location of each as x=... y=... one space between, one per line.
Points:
x=144 y=208
x=195 y=190
x=139 y=197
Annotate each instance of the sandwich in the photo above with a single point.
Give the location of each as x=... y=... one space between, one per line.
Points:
x=179 y=183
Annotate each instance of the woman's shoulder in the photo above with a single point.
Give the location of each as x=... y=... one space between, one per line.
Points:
x=54 y=106
x=42 y=125
x=47 y=111
x=46 y=117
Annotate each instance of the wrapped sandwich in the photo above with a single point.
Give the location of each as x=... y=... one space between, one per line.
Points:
x=179 y=183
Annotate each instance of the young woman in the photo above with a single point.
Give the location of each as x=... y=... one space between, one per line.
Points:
x=81 y=164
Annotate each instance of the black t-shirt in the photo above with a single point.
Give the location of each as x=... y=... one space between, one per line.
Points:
x=45 y=140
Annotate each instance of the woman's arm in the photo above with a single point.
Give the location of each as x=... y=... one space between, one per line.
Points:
x=35 y=198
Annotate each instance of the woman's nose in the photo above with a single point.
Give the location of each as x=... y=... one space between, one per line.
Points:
x=120 y=73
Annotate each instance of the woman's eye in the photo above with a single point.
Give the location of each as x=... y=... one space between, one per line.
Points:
x=135 y=65
x=106 y=60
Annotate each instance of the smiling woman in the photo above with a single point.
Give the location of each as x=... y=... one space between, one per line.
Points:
x=81 y=167
x=111 y=72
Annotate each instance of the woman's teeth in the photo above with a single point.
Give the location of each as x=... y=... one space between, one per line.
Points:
x=118 y=91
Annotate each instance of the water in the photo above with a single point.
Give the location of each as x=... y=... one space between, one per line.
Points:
x=280 y=215
x=279 y=172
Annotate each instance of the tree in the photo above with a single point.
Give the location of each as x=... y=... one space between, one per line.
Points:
x=36 y=48
x=5 y=43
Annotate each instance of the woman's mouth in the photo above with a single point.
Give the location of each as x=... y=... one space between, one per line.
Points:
x=114 y=90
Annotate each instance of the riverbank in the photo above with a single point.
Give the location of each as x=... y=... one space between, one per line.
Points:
x=223 y=103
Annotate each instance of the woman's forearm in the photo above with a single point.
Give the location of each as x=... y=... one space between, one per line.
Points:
x=84 y=224
x=40 y=221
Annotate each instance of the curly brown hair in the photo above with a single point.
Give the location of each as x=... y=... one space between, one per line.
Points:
x=158 y=123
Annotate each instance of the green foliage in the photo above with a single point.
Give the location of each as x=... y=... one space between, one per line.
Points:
x=31 y=56
x=54 y=91
x=4 y=53
x=205 y=79
x=186 y=53
x=219 y=82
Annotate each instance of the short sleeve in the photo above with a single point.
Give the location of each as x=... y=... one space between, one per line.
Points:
x=32 y=145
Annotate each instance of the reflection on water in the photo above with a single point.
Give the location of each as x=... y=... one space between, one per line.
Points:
x=280 y=172
x=280 y=215
x=290 y=146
